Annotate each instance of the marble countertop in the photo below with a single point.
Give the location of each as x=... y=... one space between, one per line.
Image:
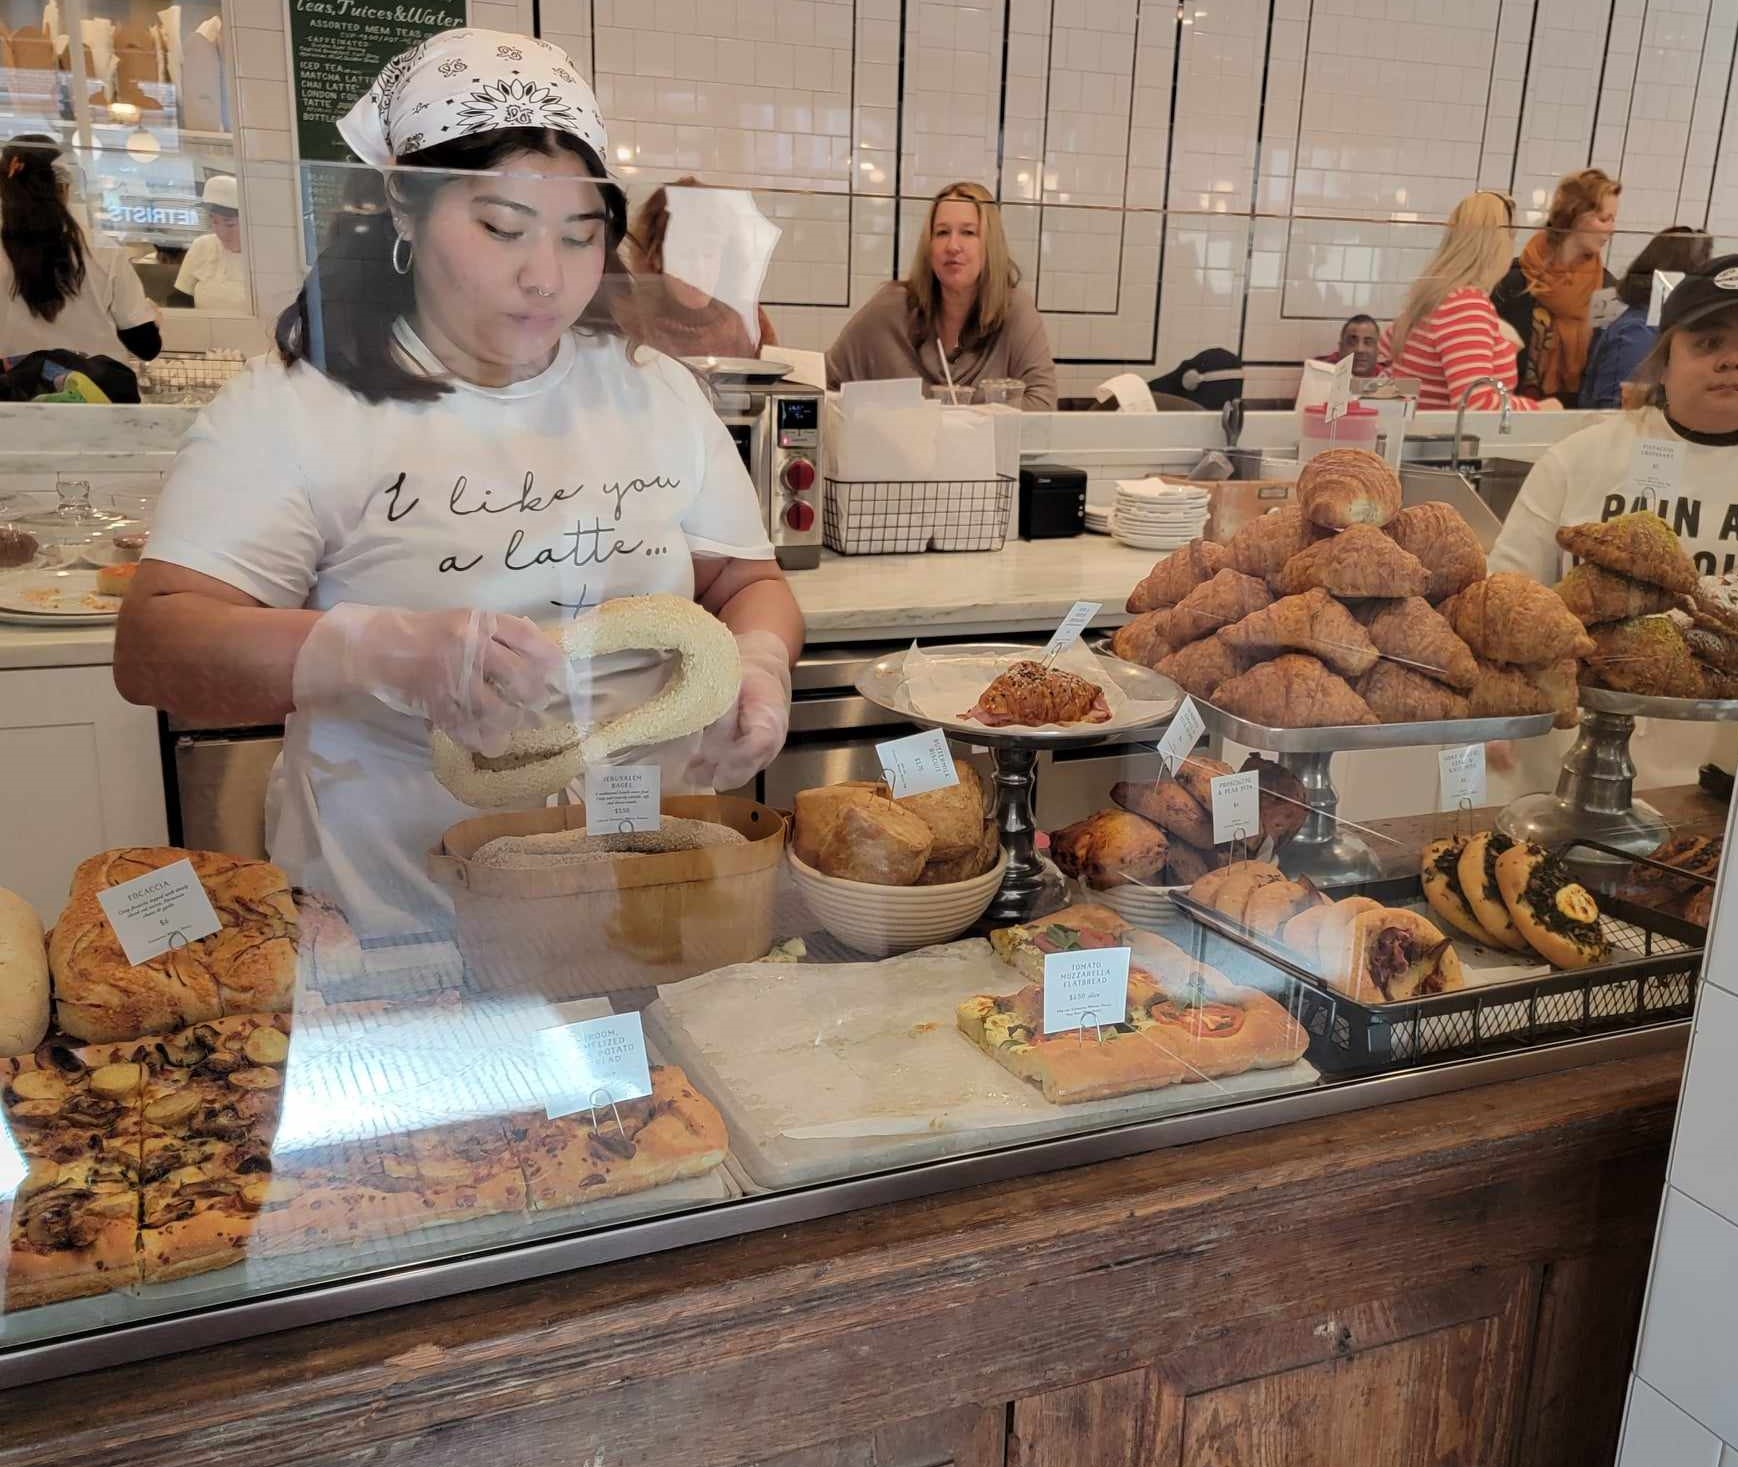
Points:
x=1027 y=586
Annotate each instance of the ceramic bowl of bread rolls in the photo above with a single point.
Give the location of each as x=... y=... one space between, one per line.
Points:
x=887 y=875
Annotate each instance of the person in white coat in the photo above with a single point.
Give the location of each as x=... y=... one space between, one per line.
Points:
x=213 y=275
x=453 y=443
x=1686 y=397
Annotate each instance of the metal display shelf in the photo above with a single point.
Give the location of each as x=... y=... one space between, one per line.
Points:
x=1032 y=885
x=1595 y=796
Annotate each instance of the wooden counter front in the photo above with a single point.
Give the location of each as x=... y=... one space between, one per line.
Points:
x=1453 y=1281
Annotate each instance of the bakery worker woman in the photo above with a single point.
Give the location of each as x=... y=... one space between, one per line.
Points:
x=451 y=444
x=1690 y=383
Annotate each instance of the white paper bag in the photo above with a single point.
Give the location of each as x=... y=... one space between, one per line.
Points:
x=882 y=443
x=966 y=446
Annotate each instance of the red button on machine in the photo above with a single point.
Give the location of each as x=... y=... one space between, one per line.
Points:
x=798 y=476
x=799 y=516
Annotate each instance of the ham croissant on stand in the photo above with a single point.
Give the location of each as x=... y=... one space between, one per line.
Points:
x=1030 y=693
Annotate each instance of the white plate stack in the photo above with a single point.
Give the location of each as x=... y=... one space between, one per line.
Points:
x=1154 y=515
x=1098 y=520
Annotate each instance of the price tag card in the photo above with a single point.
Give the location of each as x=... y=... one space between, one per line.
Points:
x=1182 y=736
x=1236 y=806
x=1072 y=626
x=162 y=910
x=1339 y=390
x=587 y=1065
x=1461 y=777
x=1656 y=467
x=1085 y=988
x=917 y=764
x=623 y=799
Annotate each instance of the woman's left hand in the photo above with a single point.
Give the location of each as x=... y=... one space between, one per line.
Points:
x=749 y=737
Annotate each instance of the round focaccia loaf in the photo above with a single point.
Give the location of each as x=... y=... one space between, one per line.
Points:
x=1439 y=864
x=542 y=762
x=1554 y=911
x=1478 y=884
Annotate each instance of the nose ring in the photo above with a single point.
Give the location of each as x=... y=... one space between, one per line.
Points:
x=544 y=293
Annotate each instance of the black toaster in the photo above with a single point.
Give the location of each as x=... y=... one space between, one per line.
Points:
x=1052 y=501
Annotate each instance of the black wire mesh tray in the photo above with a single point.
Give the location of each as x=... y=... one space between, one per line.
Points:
x=1651 y=977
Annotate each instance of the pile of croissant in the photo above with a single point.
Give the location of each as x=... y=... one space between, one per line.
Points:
x=1658 y=628
x=1346 y=609
x=1161 y=831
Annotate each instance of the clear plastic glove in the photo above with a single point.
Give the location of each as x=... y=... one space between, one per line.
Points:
x=478 y=676
x=749 y=737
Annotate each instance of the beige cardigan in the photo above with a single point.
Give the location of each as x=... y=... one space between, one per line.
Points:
x=882 y=341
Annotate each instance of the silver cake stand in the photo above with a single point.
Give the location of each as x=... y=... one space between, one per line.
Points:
x=1595 y=796
x=1032 y=885
x=1326 y=849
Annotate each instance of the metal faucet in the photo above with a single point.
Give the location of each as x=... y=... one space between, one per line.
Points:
x=1460 y=416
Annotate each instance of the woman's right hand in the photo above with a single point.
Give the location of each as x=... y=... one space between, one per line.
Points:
x=478 y=676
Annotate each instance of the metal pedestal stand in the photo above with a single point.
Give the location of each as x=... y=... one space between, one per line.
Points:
x=1595 y=797
x=1326 y=849
x=1032 y=885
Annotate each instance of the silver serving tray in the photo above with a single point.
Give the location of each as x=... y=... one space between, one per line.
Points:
x=1639 y=705
x=883 y=683
x=1349 y=739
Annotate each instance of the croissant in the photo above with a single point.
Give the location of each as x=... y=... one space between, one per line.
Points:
x=1348 y=486
x=1142 y=640
x=1361 y=561
x=1174 y=577
x=1226 y=599
x=1030 y=693
x=1647 y=655
x=1264 y=545
x=1110 y=848
x=1313 y=622
x=1293 y=691
x=1397 y=694
x=1199 y=668
x=1440 y=537
x=1718 y=649
x=1640 y=546
x=1413 y=633
x=1506 y=691
x=1594 y=595
x=1509 y=617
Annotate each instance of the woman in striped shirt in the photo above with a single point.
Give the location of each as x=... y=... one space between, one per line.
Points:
x=1448 y=334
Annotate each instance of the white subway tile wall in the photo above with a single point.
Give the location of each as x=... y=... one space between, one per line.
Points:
x=1240 y=173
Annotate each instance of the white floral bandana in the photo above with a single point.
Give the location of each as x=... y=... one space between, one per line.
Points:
x=469 y=81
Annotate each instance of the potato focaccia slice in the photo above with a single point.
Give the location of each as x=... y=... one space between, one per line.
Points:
x=672 y=1134
x=73 y=1231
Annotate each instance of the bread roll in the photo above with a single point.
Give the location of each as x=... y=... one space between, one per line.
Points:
x=23 y=977
x=818 y=810
x=954 y=815
x=876 y=842
x=964 y=868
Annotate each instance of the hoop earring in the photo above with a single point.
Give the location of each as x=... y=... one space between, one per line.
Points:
x=409 y=255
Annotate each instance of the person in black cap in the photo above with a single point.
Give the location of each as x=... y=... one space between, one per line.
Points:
x=1686 y=401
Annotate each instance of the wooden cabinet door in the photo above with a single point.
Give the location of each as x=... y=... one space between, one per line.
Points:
x=81 y=774
x=1432 y=1378
x=969 y=1437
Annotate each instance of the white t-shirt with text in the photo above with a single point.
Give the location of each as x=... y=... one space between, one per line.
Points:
x=599 y=478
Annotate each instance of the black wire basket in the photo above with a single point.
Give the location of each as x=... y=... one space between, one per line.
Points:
x=904 y=516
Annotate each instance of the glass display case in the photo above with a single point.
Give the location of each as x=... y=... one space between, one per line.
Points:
x=145 y=101
x=518 y=991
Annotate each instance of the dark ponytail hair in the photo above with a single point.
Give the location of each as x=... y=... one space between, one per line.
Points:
x=42 y=240
x=342 y=321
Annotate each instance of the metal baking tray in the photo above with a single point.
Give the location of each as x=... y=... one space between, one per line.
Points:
x=1651 y=978
x=1638 y=705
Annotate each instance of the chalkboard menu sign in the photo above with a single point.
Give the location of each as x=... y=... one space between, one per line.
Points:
x=337 y=48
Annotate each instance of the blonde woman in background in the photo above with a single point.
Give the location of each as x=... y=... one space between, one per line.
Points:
x=1448 y=335
x=962 y=297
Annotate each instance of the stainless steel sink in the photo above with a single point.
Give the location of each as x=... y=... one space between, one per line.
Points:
x=1498 y=480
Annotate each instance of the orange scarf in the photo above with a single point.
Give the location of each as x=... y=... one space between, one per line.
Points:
x=1558 y=349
